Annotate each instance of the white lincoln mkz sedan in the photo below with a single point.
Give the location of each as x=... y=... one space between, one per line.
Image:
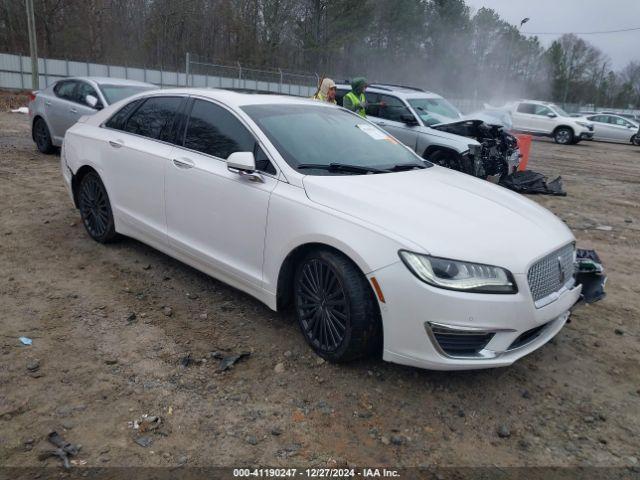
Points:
x=305 y=204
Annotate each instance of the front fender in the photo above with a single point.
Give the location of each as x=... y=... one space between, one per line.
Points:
x=294 y=221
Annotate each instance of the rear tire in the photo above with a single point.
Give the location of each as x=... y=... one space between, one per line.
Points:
x=563 y=136
x=41 y=135
x=335 y=307
x=95 y=208
x=636 y=140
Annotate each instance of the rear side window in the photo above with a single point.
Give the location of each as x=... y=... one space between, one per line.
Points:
x=154 y=118
x=215 y=131
x=66 y=90
x=120 y=117
x=526 y=108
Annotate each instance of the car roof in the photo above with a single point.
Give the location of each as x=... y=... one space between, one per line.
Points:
x=239 y=99
x=398 y=90
x=538 y=102
x=112 y=81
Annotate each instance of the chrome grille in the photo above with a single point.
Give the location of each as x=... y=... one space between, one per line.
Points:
x=549 y=274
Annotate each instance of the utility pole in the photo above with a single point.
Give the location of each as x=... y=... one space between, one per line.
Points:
x=33 y=44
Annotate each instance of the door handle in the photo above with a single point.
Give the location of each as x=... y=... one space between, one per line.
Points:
x=183 y=163
x=116 y=143
x=73 y=110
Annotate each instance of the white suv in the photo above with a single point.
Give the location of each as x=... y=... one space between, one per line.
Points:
x=548 y=119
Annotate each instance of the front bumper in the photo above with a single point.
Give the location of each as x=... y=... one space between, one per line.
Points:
x=586 y=136
x=413 y=309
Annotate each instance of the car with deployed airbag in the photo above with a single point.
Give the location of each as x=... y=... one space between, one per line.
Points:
x=305 y=205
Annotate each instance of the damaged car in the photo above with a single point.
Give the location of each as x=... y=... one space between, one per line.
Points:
x=437 y=131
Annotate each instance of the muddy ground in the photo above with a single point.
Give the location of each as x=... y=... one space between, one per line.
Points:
x=112 y=325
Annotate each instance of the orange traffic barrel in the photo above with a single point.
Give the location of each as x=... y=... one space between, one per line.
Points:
x=524 y=144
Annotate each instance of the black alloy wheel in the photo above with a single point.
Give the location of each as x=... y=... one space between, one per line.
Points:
x=322 y=306
x=335 y=307
x=95 y=208
x=42 y=137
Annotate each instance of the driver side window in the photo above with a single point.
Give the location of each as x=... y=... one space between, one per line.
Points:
x=542 y=110
x=215 y=131
x=392 y=108
x=82 y=91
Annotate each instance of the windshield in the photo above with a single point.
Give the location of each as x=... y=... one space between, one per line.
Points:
x=559 y=111
x=115 y=93
x=434 y=110
x=314 y=138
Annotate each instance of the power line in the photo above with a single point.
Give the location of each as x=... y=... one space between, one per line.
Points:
x=583 y=33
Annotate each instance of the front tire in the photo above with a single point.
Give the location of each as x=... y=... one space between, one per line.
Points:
x=41 y=135
x=563 y=136
x=335 y=307
x=636 y=140
x=447 y=159
x=95 y=208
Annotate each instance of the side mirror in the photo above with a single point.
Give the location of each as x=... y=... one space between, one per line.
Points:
x=244 y=164
x=242 y=161
x=92 y=101
x=551 y=115
x=408 y=119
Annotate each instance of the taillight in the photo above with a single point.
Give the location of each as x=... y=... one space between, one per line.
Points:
x=32 y=96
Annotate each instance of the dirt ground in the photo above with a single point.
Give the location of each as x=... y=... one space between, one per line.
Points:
x=111 y=327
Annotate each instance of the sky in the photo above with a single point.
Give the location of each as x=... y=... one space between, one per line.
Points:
x=573 y=16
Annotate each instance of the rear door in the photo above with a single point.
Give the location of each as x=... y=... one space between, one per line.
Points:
x=215 y=216
x=600 y=126
x=387 y=111
x=137 y=144
x=58 y=107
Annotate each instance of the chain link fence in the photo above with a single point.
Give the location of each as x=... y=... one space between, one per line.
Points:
x=201 y=73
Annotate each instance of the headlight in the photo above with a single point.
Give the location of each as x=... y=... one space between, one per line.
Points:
x=457 y=275
x=583 y=124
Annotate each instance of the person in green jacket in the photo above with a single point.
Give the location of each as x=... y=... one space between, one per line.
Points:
x=355 y=99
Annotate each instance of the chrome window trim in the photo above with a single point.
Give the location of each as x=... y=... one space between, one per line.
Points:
x=185 y=95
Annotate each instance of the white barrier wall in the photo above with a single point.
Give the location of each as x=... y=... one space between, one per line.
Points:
x=15 y=74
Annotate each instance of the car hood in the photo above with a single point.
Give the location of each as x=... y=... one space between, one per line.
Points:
x=447 y=214
x=435 y=133
x=490 y=117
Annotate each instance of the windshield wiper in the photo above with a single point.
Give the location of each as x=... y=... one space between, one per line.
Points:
x=341 y=167
x=401 y=167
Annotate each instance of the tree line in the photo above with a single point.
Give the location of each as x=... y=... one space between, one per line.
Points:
x=440 y=45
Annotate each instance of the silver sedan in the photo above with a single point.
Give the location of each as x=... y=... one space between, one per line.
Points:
x=57 y=107
x=614 y=128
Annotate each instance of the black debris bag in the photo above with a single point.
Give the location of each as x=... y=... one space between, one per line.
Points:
x=529 y=181
x=590 y=274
